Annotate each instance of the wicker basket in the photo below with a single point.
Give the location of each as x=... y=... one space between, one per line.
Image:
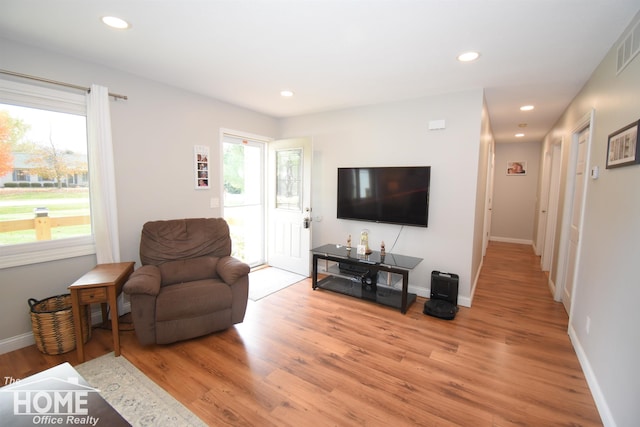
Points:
x=52 y=323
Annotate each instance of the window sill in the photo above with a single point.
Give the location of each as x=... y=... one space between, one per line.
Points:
x=33 y=253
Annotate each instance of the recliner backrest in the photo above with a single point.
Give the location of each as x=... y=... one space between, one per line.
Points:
x=178 y=239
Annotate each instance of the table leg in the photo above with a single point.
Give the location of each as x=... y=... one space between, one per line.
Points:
x=113 y=305
x=314 y=273
x=105 y=313
x=77 y=325
x=405 y=289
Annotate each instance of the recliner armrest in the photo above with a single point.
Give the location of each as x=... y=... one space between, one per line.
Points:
x=231 y=269
x=145 y=280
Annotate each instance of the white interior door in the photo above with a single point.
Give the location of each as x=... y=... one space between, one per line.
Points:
x=544 y=202
x=552 y=208
x=576 y=218
x=489 y=200
x=289 y=205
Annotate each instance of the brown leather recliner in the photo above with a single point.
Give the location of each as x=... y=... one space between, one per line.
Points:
x=188 y=285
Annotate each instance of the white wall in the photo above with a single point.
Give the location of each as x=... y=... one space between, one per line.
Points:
x=155 y=130
x=514 y=202
x=397 y=134
x=483 y=193
x=153 y=135
x=607 y=288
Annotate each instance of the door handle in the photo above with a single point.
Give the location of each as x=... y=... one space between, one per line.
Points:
x=306 y=221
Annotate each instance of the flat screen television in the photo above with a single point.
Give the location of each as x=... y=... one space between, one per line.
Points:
x=394 y=195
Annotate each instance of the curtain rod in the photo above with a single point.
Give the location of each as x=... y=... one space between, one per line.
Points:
x=54 y=82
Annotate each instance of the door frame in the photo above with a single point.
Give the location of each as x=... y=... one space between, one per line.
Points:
x=585 y=122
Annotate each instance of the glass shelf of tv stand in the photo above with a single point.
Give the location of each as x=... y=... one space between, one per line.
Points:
x=343 y=270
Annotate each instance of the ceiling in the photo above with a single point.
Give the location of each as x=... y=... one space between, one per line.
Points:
x=336 y=54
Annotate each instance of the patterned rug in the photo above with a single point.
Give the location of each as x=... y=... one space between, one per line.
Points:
x=267 y=281
x=138 y=399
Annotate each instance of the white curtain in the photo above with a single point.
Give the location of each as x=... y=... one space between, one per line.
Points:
x=102 y=183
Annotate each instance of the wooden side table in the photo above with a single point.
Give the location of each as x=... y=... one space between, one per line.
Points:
x=101 y=285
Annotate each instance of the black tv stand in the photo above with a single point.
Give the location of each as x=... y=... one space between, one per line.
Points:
x=371 y=277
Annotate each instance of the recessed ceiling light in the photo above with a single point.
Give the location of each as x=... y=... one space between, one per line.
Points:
x=527 y=108
x=114 y=22
x=286 y=93
x=522 y=125
x=519 y=135
x=468 y=56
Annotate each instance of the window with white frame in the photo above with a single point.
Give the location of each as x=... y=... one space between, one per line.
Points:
x=45 y=209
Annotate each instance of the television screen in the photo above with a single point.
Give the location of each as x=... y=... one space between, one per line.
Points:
x=395 y=195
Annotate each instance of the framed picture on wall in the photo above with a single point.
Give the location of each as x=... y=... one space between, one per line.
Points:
x=622 y=149
x=201 y=166
x=518 y=168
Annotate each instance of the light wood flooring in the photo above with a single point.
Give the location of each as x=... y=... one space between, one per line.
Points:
x=305 y=357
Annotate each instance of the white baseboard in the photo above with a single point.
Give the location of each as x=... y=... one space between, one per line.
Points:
x=536 y=250
x=464 y=301
x=592 y=381
x=25 y=340
x=17 y=342
x=475 y=282
x=511 y=240
x=552 y=288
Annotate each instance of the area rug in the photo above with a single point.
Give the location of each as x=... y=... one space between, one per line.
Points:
x=267 y=281
x=139 y=400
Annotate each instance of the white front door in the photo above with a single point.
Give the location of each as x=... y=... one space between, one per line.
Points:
x=289 y=205
x=576 y=219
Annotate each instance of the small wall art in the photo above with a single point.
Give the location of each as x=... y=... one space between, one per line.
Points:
x=517 y=168
x=201 y=166
x=622 y=148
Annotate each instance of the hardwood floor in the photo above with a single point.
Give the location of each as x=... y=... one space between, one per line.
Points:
x=305 y=357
